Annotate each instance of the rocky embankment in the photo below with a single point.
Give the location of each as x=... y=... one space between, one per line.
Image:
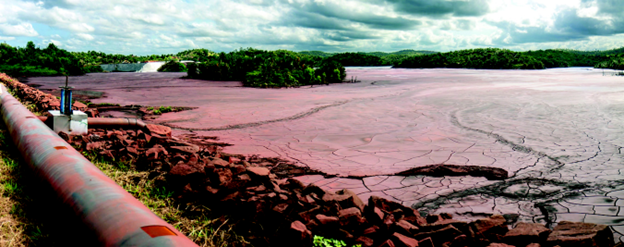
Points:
x=280 y=211
x=262 y=191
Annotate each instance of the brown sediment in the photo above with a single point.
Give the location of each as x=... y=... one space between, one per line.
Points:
x=440 y=170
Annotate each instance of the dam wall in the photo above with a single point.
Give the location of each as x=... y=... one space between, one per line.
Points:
x=133 y=67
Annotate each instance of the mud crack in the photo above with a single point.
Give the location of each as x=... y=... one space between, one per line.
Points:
x=256 y=124
x=514 y=146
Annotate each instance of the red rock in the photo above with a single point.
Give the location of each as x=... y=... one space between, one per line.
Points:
x=500 y=245
x=80 y=106
x=212 y=190
x=344 y=234
x=426 y=242
x=390 y=206
x=416 y=220
x=350 y=217
x=350 y=212
x=218 y=162
x=231 y=197
x=156 y=149
x=94 y=146
x=232 y=160
x=309 y=215
x=191 y=149
x=350 y=199
x=445 y=222
x=313 y=189
x=388 y=220
x=244 y=177
x=237 y=169
x=280 y=208
x=159 y=130
x=259 y=188
x=326 y=220
x=364 y=241
x=259 y=171
x=440 y=236
x=525 y=233
x=492 y=228
x=225 y=176
x=301 y=231
x=371 y=230
x=402 y=240
x=534 y=245
x=446 y=216
x=406 y=227
x=580 y=234
x=132 y=150
x=311 y=224
x=184 y=170
x=378 y=214
x=387 y=243
x=92 y=112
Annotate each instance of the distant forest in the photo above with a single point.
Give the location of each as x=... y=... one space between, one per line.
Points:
x=259 y=68
x=494 y=58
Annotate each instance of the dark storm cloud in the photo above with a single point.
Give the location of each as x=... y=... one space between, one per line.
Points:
x=607 y=6
x=330 y=15
x=567 y=26
x=568 y=21
x=314 y=20
x=436 y=8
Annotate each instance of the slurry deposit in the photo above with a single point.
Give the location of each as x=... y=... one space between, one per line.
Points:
x=559 y=133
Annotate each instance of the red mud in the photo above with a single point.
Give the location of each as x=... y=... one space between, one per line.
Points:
x=392 y=121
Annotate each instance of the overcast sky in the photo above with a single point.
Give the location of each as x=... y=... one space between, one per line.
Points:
x=157 y=27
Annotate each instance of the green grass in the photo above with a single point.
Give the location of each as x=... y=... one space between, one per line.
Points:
x=329 y=242
x=160 y=110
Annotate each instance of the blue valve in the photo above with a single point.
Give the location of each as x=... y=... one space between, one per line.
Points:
x=66 y=98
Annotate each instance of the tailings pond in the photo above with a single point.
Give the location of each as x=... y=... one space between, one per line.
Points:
x=558 y=133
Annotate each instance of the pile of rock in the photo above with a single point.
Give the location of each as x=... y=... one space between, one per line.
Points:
x=261 y=191
x=40 y=100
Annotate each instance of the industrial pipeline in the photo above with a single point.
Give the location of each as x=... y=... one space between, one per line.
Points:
x=109 y=211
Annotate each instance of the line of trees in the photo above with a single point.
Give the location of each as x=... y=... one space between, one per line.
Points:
x=494 y=58
x=281 y=68
x=489 y=58
x=613 y=62
x=259 y=68
x=34 y=61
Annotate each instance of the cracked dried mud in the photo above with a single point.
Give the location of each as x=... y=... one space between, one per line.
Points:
x=558 y=133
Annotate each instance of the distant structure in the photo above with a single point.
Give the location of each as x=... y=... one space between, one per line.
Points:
x=151 y=66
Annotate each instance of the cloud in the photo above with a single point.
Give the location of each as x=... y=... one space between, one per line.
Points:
x=339 y=14
x=85 y=36
x=459 y=8
x=169 y=26
x=569 y=24
x=21 y=29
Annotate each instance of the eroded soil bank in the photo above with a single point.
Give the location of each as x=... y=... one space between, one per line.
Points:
x=558 y=134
